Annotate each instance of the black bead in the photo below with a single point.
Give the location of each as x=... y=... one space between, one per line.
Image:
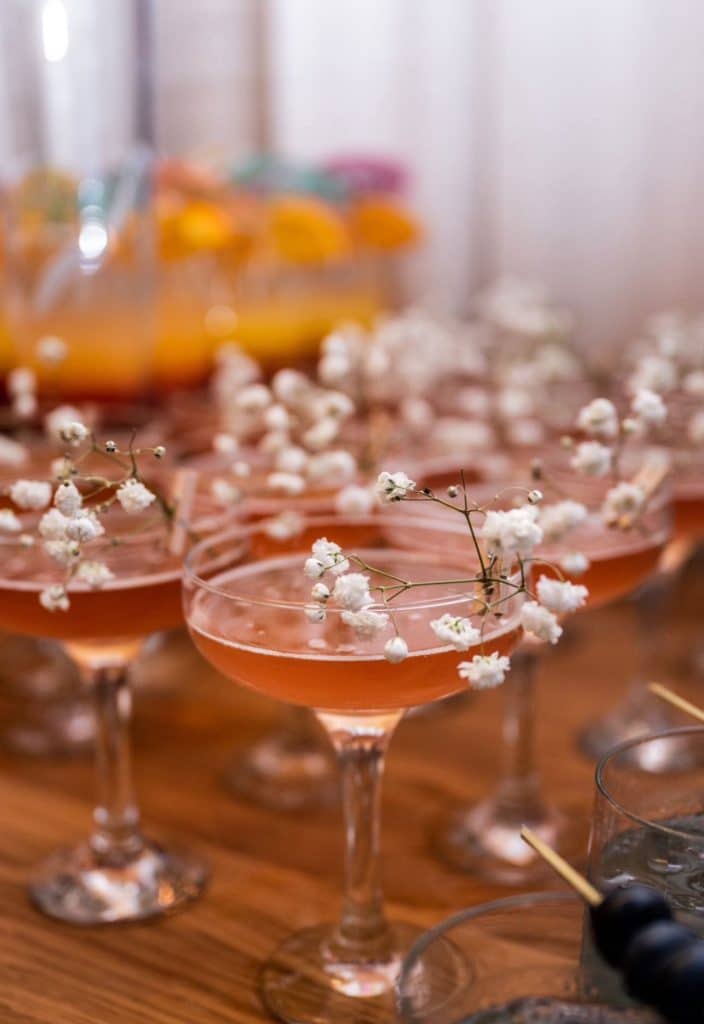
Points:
x=649 y=951
x=622 y=914
x=680 y=986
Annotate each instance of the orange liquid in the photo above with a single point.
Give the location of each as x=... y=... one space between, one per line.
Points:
x=689 y=515
x=614 y=571
x=326 y=665
x=134 y=605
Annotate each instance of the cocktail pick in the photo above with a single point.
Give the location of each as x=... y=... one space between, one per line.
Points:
x=679 y=702
x=662 y=962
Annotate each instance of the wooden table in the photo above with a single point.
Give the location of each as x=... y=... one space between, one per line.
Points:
x=271 y=872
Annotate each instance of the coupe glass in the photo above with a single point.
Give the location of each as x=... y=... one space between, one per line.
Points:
x=245 y=595
x=641 y=712
x=117 y=874
x=521 y=953
x=486 y=837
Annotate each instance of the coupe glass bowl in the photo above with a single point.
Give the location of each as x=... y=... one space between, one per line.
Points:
x=520 y=960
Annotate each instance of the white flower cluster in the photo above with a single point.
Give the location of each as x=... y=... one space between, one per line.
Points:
x=294 y=424
x=21 y=384
x=510 y=533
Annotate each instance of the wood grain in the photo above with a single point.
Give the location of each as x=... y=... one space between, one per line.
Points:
x=271 y=872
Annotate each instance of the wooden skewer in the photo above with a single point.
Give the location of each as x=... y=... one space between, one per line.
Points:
x=559 y=865
x=679 y=702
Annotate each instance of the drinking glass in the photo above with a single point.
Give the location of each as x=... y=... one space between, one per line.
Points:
x=245 y=595
x=486 y=837
x=118 y=874
x=76 y=170
x=511 y=956
x=649 y=827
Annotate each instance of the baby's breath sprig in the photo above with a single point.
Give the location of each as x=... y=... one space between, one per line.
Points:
x=504 y=542
x=74 y=504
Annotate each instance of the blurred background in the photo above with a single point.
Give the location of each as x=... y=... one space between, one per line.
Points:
x=176 y=175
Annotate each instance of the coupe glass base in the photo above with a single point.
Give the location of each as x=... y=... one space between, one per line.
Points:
x=285 y=774
x=78 y=886
x=480 y=841
x=307 y=982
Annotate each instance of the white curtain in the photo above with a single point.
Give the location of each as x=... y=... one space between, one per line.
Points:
x=559 y=139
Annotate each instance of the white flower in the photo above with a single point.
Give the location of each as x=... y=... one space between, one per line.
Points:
x=649 y=408
x=84 y=527
x=366 y=623
x=321 y=433
x=417 y=414
x=24 y=406
x=291 y=459
x=241 y=469
x=320 y=592
x=31 y=494
x=254 y=398
x=695 y=428
x=134 y=496
x=52 y=350
x=333 y=469
x=560 y=596
x=52 y=525
x=327 y=557
x=273 y=441
x=290 y=386
x=393 y=486
x=333 y=404
x=354 y=501
x=27 y=540
x=21 y=381
x=73 y=432
x=224 y=493
x=286 y=483
x=574 y=563
x=654 y=372
x=512 y=532
x=515 y=403
x=592 y=458
x=11 y=453
x=314 y=612
x=225 y=444
x=9 y=523
x=599 y=419
x=625 y=499
x=352 y=591
x=396 y=650
x=524 y=432
x=693 y=383
x=95 y=574
x=540 y=622
x=54 y=598
x=454 y=630
x=58 y=418
x=277 y=417
x=558 y=520
x=67 y=498
x=285 y=526
x=484 y=671
x=65 y=552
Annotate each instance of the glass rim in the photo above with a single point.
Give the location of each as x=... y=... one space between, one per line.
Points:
x=637 y=741
x=505 y=903
x=246 y=528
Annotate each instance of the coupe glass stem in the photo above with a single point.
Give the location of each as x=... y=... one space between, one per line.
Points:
x=518 y=797
x=360 y=742
x=116 y=837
